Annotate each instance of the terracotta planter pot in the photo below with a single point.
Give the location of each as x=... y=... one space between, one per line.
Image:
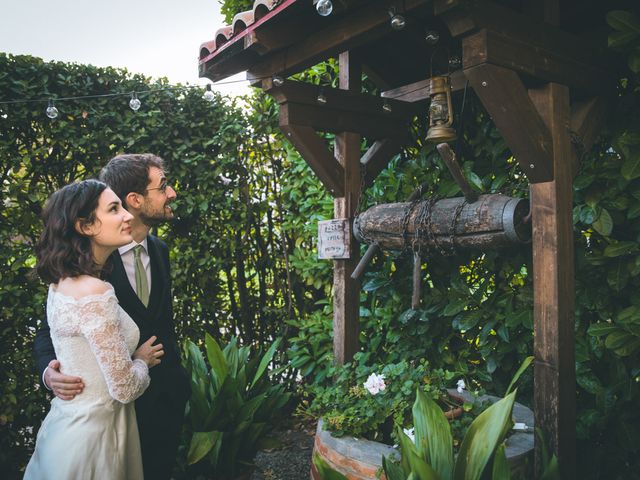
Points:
x=359 y=459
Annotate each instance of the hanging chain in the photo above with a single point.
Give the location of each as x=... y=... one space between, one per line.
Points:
x=360 y=202
x=454 y=224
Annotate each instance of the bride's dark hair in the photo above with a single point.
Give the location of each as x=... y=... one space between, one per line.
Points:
x=62 y=251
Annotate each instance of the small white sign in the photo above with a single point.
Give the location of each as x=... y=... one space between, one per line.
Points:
x=333 y=239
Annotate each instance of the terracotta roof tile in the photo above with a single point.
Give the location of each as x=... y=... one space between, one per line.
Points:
x=240 y=23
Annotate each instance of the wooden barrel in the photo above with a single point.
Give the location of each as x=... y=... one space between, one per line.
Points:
x=493 y=220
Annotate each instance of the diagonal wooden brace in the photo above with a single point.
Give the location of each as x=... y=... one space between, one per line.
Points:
x=507 y=101
x=315 y=152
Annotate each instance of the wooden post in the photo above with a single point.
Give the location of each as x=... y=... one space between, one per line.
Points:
x=346 y=290
x=554 y=287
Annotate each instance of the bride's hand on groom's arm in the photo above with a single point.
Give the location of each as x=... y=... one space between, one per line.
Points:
x=65 y=387
x=149 y=353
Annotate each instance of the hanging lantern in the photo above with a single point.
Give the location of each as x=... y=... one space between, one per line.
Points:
x=440 y=111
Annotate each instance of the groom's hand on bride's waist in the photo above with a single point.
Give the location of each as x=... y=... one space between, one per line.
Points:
x=65 y=387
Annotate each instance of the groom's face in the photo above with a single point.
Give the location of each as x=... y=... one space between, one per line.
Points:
x=156 y=206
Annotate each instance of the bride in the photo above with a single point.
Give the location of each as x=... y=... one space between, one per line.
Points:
x=95 y=435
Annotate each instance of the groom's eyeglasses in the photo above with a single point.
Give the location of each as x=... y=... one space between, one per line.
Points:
x=163 y=187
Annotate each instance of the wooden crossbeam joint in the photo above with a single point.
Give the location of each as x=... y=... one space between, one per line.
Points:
x=501 y=36
x=341 y=111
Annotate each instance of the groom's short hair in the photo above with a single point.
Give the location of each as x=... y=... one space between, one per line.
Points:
x=129 y=172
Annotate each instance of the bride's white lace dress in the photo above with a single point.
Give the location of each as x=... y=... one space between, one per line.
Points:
x=95 y=435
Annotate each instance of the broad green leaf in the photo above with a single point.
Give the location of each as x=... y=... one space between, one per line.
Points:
x=475 y=180
x=196 y=359
x=634 y=211
x=629 y=315
x=604 y=223
x=623 y=21
x=392 y=470
x=375 y=283
x=501 y=468
x=411 y=461
x=601 y=328
x=246 y=412
x=325 y=470
x=617 y=339
x=455 y=307
x=486 y=432
x=264 y=363
x=525 y=364
x=433 y=435
x=620 y=248
x=219 y=366
x=201 y=444
x=631 y=168
x=618 y=275
x=634 y=60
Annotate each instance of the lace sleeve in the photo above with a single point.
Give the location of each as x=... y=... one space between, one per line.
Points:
x=126 y=379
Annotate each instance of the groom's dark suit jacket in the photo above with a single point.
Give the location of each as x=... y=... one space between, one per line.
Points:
x=160 y=409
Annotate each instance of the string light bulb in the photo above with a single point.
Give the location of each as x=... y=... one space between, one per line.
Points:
x=321 y=98
x=398 y=21
x=134 y=103
x=324 y=7
x=208 y=94
x=52 y=111
x=432 y=37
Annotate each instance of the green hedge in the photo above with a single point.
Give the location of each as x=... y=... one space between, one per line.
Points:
x=228 y=252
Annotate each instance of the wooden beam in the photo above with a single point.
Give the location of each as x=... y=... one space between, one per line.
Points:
x=346 y=290
x=418 y=91
x=535 y=58
x=524 y=43
x=587 y=119
x=543 y=10
x=348 y=101
x=377 y=157
x=326 y=119
x=315 y=152
x=507 y=101
x=352 y=29
x=554 y=287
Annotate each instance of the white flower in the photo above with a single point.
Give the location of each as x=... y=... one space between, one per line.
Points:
x=410 y=433
x=225 y=180
x=461 y=385
x=375 y=384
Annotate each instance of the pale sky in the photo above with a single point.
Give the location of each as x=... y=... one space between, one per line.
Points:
x=159 y=38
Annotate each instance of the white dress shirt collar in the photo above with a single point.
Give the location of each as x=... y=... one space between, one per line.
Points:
x=125 y=248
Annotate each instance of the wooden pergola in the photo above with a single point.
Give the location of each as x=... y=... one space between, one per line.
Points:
x=538 y=77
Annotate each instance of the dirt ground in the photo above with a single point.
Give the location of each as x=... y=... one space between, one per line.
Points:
x=291 y=460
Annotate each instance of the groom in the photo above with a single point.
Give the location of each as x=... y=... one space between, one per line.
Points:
x=141 y=279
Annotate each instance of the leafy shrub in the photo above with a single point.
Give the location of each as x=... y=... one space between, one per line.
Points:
x=228 y=253
x=348 y=408
x=233 y=406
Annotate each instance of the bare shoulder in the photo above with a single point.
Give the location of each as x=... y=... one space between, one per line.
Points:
x=82 y=286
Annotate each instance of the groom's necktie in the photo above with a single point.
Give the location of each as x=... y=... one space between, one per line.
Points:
x=142 y=284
